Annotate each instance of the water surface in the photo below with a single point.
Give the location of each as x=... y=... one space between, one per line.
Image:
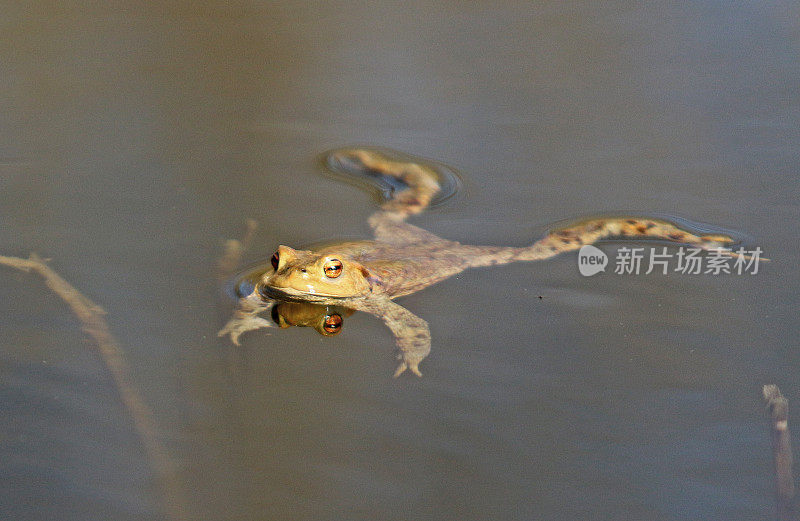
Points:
x=136 y=138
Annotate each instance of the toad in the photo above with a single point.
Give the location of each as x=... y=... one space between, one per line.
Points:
x=401 y=259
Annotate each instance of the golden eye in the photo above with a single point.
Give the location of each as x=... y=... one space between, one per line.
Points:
x=332 y=324
x=274 y=260
x=333 y=268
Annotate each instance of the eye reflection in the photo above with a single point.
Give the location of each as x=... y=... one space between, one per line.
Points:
x=326 y=320
x=332 y=324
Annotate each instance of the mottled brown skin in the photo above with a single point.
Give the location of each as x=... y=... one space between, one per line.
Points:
x=403 y=259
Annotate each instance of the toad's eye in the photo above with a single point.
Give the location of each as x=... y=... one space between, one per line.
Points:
x=333 y=268
x=274 y=260
x=332 y=324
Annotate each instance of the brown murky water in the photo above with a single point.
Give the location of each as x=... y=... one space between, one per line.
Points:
x=135 y=138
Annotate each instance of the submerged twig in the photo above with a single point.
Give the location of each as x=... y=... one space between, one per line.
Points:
x=91 y=317
x=781 y=451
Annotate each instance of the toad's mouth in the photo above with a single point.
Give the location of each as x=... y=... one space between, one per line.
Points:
x=296 y=295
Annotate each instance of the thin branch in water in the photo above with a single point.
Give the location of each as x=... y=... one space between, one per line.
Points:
x=778 y=408
x=91 y=318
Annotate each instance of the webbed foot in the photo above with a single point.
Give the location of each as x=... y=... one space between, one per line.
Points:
x=407 y=363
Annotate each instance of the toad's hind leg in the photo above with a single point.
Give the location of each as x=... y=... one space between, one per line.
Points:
x=413 y=184
x=591 y=231
x=420 y=182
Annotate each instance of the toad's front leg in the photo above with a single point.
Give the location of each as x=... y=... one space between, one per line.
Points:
x=411 y=333
x=246 y=317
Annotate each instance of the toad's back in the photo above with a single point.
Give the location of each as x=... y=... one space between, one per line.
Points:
x=402 y=269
